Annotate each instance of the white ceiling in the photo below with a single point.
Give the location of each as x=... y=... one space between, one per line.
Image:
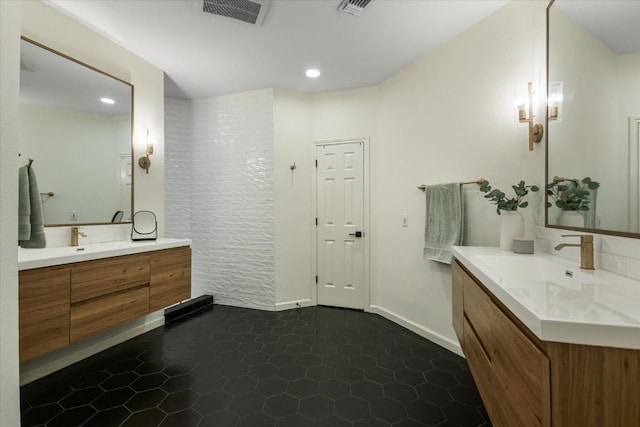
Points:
x=205 y=55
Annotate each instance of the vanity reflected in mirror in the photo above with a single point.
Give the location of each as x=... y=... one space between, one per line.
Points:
x=76 y=126
x=593 y=117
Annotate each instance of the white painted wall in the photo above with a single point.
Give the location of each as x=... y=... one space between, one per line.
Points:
x=46 y=25
x=446 y=117
x=293 y=190
x=87 y=181
x=344 y=114
x=9 y=134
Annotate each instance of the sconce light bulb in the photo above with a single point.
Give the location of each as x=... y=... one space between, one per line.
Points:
x=522 y=113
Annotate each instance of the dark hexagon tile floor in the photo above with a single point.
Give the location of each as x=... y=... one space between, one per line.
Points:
x=229 y=366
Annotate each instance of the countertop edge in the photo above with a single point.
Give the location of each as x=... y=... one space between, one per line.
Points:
x=93 y=252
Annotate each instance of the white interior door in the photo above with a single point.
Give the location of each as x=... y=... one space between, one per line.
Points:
x=340 y=230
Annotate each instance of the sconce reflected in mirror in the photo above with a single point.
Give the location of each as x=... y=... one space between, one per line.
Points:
x=525 y=115
x=554 y=100
x=145 y=162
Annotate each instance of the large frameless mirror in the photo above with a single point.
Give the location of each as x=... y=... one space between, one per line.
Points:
x=76 y=127
x=593 y=116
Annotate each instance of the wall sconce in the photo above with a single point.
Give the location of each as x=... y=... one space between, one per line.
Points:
x=145 y=162
x=525 y=115
x=554 y=101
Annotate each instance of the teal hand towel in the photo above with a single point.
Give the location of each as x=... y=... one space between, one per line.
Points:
x=37 y=239
x=444 y=222
x=24 y=205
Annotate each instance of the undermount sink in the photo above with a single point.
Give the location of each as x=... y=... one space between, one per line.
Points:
x=556 y=299
x=536 y=268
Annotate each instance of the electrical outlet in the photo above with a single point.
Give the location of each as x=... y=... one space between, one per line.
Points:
x=73 y=216
x=405 y=220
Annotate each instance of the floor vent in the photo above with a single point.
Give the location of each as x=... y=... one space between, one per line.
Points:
x=249 y=11
x=353 y=7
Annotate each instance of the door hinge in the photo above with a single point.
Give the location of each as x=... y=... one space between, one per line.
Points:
x=316 y=279
x=316 y=162
x=316 y=221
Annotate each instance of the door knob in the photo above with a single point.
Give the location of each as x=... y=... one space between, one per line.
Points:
x=357 y=234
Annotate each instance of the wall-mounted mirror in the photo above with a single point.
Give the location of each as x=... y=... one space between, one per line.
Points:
x=593 y=59
x=76 y=126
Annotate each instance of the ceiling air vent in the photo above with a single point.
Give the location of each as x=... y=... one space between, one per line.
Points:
x=353 y=7
x=250 y=11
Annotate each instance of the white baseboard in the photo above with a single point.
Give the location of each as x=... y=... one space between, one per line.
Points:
x=420 y=330
x=58 y=359
x=288 y=305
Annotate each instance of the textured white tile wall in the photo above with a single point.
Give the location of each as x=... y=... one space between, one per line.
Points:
x=611 y=253
x=227 y=173
x=177 y=168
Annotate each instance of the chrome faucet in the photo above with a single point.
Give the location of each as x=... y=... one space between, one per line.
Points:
x=586 y=249
x=75 y=232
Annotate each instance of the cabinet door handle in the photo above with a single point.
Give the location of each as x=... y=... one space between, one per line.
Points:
x=357 y=234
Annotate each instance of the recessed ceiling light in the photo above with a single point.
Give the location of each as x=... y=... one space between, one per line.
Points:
x=107 y=100
x=312 y=73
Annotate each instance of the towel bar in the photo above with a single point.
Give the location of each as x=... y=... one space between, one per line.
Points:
x=477 y=181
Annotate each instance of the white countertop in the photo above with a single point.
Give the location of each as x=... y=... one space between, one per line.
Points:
x=46 y=257
x=592 y=307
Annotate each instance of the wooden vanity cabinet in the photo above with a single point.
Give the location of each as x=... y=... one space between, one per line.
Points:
x=170 y=277
x=524 y=381
x=64 y=304
x=44 y=300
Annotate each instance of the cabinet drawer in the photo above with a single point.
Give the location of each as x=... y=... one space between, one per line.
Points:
x=44 y=310
x=478 y=361
x=93 y=279
x=170 y=280
x=93 y=316
x=167 y=257
x=518 y=365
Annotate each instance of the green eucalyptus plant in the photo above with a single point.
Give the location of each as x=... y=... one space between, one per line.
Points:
x=504 y=203
x=572 y=196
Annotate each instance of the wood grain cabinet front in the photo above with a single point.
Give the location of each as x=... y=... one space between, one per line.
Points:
x=44 y=310
x=170 y=277
x=524 y=381
x=519 y=370
x=92 y=279
x=64 y=304
x=98 y=314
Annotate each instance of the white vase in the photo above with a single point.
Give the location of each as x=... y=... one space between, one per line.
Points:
x=571 y=219
x=511 y=226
